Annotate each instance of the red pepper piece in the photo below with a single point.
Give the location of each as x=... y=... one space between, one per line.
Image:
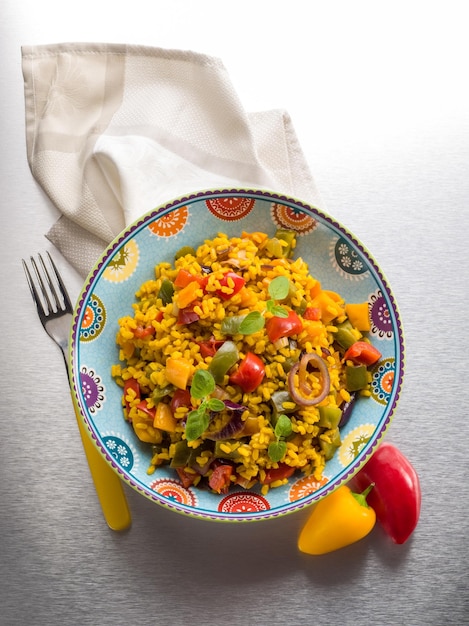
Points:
x=187 y=478
x=312 y=313
x=278 y=327
x=278 y=473
x=220 y=480
x=249 y=374
x=181 y=397
x=131 y=383
x=363 y=353
x=234 y=282
x=209 y=347
x=143 y=406
x=396 y=496
x=184 y=277
x=188 y=315
x=146 y=331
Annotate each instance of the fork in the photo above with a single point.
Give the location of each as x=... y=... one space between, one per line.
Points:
x=55 y=312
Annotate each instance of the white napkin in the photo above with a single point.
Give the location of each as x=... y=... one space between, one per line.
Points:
x=115 y=130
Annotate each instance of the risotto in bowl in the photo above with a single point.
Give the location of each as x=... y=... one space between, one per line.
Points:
x=236 y=355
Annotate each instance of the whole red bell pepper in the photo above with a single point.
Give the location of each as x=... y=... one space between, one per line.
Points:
x=396 y=496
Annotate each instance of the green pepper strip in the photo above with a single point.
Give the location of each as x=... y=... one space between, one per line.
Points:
x=329 y=416
x=329 y=442
x=184 y=251
x=278 y=398
x=166 y=291
x=288 y=236
x=344 y=335
x=356 y=377
x=230 y=325
x=224 y=358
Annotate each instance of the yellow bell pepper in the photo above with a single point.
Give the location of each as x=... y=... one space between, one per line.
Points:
x=188 y=294
x=330 y=304
x=178 y=371
x=340 y=519
x=144 y=429
x=164 y=418
x=359 y=316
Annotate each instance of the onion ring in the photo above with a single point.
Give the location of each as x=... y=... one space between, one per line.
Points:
x=300 y=367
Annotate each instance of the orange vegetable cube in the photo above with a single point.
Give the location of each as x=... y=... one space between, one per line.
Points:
x=188 y=294
x=358 y=315
x=146 y=432
x=164 y=418
x=178 y=371
x=330 y=304
x=315 y=289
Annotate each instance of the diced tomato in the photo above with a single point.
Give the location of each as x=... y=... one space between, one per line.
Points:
x=132 y=384
x=220 y=480
x=143 y=406
x=146 y=331
x=234 y=282
x=273 y=474
x=181 y=397
x=188 y=315
x=187 y=478
x=250 y=373
x=278 y=327
x=184 y=277
x=363 y=353
x=143 y=331
x=312 y=313
x=208 y=348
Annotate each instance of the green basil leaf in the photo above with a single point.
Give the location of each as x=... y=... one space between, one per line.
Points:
x=203 y=384
x=277 y=450
x=252 y=323
x=279 y=288
x=214 y=404
x=283 y=427
x=196 y=424
x=278 y=311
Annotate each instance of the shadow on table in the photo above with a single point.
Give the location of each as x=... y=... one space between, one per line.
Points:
x=218 y=553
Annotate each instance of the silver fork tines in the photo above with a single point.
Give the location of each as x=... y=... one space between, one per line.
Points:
x=51 y=298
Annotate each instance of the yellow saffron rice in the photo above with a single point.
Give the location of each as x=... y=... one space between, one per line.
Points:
x=155 y=338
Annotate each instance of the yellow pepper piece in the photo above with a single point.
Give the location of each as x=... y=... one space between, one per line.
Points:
x=330 y=304
x=178 y=371
x=164 y=418
x=146 y=432
x=340 y=519
x=188 y=294
x=315 y=288
x=127 y=349
x=246 y=298
x=358 y=315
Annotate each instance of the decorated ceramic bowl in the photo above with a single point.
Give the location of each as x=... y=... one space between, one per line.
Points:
x=335 y=257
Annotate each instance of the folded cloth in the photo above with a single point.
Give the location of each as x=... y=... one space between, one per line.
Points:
x=113 y=131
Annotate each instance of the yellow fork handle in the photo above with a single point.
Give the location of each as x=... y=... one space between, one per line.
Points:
x=107 y=483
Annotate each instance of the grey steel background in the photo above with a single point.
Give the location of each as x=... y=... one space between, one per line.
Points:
x=378 y=96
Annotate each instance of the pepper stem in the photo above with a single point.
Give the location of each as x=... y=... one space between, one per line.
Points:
x=361 y=497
